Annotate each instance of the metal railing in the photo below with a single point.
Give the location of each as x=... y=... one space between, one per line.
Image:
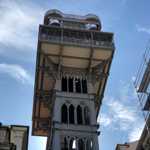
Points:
x=76 y=41
x=103 y=44
x=50 y=38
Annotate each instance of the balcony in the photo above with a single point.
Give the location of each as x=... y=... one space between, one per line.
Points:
x=76 y=41
x=77 y=38
x=49 y=38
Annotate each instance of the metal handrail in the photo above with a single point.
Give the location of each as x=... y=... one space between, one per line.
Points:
x=77 y=41
x=103 y=44
x=50 y=38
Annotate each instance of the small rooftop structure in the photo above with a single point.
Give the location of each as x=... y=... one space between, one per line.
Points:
x=127 y=146
x=14 y=137
x=89 y=19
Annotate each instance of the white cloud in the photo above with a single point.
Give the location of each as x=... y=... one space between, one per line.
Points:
x=19 y=24
x=16 y=72
x=124 y=114
x=133 y=78
x=142 y=29
x=136 y=132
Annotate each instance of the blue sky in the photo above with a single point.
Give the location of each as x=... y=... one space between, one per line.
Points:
x=120 y=115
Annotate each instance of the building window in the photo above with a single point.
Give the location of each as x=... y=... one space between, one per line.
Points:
x=71 y=114
x=70 y=85
x=78 y=85
x=64 y=144
x=84 y=86
x=64 y=117
x=81 y=144
x=64 y=84
x=79 y=115
x=72 y=144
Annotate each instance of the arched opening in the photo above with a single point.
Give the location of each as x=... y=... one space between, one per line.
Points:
x=71 y=114
x=72 y=144
x=79 y=115
x=84 y=86
x=78 y=85
x=54 y=22
x=81 y=144
x=64 y=144
x=64 y=117
x=64 y=84
x=88 y=145
x=70 y=85
x=91 y=145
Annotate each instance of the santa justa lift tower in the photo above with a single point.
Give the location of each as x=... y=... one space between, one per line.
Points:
x=72 y=67
x=142 y=87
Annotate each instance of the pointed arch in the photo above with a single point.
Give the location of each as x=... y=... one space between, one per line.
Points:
x=64 y=84
x=64 y=112
x=71 y=114
x=84 y=86
x=64 y=144
x=81 y=145
x=78 y=85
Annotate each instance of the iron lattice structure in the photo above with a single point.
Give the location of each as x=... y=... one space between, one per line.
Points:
x=142 y=86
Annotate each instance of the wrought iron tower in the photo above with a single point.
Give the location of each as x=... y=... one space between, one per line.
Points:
x=72 y=66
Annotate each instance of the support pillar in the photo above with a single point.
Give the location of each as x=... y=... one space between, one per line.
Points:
x=68 y=144
x=92 y=113
x=85 y=145
x=75 y=115
x=77 y=144
x=56 y=140
x=74 y=85
x=95 y=142
x=67 y=84
x=57 y=112
x=81 y=85
x=83 y=114
x=68 y=113
x=58 y=85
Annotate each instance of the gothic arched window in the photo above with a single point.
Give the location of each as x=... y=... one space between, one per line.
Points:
x=81 y=144
x=78 y=85
x=84 y=86
x=64 y=144
x=79 y=115
x=71 y=114
x=64 y=84
x=64 y=117
x=70 y=85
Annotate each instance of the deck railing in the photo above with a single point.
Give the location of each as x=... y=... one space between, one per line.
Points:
x=76 y=41
x=50 y=38
x=103 y=44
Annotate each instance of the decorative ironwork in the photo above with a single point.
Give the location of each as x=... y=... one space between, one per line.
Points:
x=76 y=41
x=103 y=44
x=43 y=126
x=71 y=24
x=47 y=100
x=96 y=76
x=52 y=69
x=51 y=72
x=73 y=74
